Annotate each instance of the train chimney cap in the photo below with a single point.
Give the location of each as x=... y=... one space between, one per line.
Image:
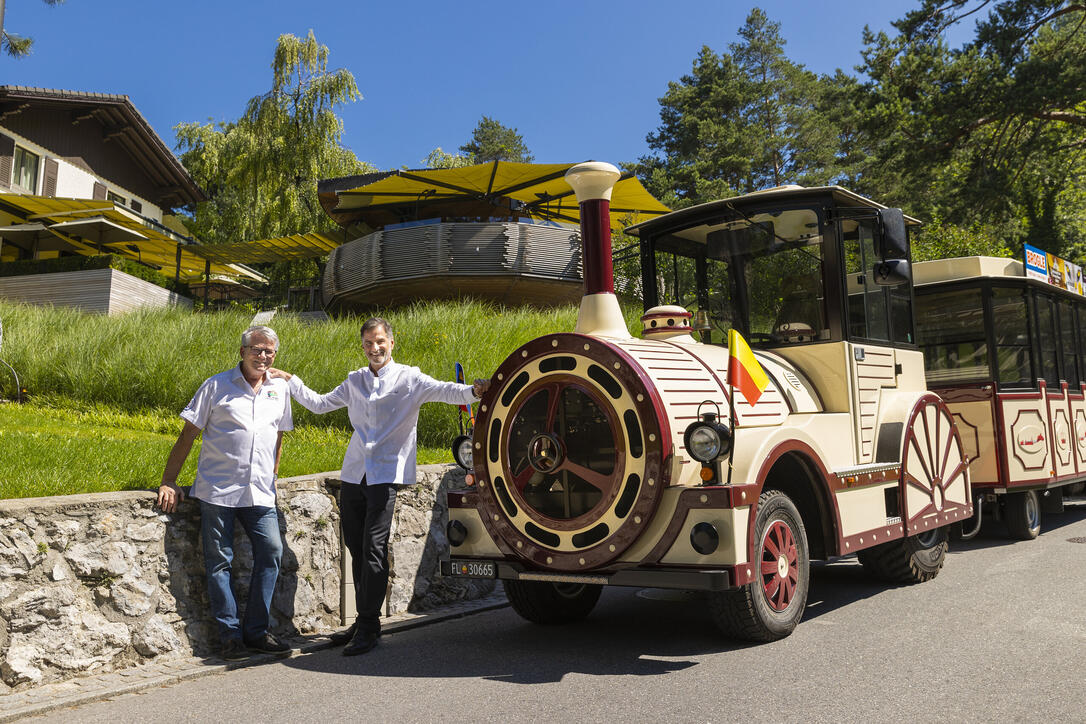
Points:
x=593 y=180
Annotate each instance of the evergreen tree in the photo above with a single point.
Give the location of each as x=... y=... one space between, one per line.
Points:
x=492 y=141
x=747 y=120
x=18 y=46
x=991 y=133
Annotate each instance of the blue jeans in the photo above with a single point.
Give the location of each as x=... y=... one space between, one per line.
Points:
x=262 y=526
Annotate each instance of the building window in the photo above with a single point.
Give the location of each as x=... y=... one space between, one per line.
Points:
x=26 y=169
x=137 y=206
x=116 y=198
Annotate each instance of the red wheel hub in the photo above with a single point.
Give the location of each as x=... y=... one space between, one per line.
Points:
x=780 y=565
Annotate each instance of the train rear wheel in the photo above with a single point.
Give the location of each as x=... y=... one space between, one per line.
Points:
x=549 y=603
x=914 y=559
x=1022 y=512
x=771 y=606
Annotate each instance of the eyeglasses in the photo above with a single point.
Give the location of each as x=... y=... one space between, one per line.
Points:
x=261 y=351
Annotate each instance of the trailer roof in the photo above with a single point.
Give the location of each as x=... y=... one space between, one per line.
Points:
x=966 y=267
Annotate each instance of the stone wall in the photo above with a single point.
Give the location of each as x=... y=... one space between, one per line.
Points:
x=94 y=583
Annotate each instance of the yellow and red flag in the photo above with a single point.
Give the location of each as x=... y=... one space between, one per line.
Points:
x=744 y=372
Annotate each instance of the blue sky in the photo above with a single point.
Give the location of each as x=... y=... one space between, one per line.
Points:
x=579 y=80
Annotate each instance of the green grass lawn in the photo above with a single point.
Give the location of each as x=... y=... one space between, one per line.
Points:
x=106 y=390
x=52 y=450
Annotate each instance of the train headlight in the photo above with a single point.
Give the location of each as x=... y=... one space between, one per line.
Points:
x=461 y=450
x=707 y=439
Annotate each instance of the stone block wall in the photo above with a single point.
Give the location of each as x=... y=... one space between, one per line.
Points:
x=95 y=583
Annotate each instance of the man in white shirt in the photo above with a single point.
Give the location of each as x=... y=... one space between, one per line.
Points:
x=242 y=414
x=382 y=401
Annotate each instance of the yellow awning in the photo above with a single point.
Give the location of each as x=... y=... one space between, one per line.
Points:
x=158 y=245
x=541 y=190
x=280 y=248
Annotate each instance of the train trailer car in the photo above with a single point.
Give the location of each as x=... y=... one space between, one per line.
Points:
x=600 y=458
x=1007 y=353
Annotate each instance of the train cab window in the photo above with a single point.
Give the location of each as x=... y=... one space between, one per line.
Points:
x=696 y=282
x=787 y=300
x=1047 y=346
x=1010 y=326
x=955 y=345
x=868 y=316
x=1069 y=343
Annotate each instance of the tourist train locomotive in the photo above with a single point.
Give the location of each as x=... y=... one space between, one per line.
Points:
x=600 y=458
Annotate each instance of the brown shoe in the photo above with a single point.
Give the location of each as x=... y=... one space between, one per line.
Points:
x=341 y=637
x=268 y=644
x=362 y=642
x=234 y=650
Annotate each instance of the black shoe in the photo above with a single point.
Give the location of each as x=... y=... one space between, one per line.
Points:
x=234 y=650
x=268 y=644
x=362 y=642
x=341 y=637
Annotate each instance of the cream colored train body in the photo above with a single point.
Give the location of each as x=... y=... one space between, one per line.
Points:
x=581 y=468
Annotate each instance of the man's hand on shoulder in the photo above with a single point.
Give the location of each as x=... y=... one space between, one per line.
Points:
x=480 y=386
x=279 y=374
x=169 y=497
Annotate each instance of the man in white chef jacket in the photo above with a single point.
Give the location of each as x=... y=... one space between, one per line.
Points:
x=382 y=401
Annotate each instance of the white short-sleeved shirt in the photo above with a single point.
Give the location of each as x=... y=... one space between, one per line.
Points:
x=384 y=412
x=240 y=429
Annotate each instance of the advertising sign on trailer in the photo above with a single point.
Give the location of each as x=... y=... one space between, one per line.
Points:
x=1052 y=269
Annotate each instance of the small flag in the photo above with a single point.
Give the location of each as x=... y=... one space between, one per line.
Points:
x=458 y=370
x=744 y=372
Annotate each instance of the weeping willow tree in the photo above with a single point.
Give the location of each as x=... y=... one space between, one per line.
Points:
x=260 y=172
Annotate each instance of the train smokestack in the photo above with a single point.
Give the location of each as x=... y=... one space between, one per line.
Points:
x=600 y=314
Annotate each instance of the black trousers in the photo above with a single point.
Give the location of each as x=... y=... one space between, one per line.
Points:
x=366 y=519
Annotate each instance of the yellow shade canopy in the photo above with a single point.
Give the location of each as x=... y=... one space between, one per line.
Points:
x=280 y=248
x=92 y=226
x=537 y=191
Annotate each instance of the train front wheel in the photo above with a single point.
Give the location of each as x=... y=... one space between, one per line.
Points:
x=549 y=603
x=1022 y=512
x=771 y=606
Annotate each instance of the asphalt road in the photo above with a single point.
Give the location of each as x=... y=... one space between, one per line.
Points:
x=999 y=635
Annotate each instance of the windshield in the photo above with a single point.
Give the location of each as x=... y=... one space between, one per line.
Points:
x=763 y=274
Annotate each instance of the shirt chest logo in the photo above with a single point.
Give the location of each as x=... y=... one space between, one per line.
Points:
x=272 y=395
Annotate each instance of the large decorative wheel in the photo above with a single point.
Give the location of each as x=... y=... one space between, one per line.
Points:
x=771 y=606
x=569 y=453
x=934 y=469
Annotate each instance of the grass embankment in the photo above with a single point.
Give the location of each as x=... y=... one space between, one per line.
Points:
x=106 y=390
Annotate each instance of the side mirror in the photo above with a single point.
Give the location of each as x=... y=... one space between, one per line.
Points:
x=892 y=272
x=893 y=242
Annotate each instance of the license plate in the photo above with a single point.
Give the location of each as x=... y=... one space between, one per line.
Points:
x=472 y=569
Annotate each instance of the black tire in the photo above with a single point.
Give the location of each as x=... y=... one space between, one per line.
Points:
x=552 y=603
x=914 y=559
x=765 y=609
x=1052 y=501
x=1022 y=511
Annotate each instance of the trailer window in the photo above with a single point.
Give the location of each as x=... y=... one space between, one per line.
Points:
x=1069 y=343
x=1011 y=331
x=1046 y=339
x=954 y=343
